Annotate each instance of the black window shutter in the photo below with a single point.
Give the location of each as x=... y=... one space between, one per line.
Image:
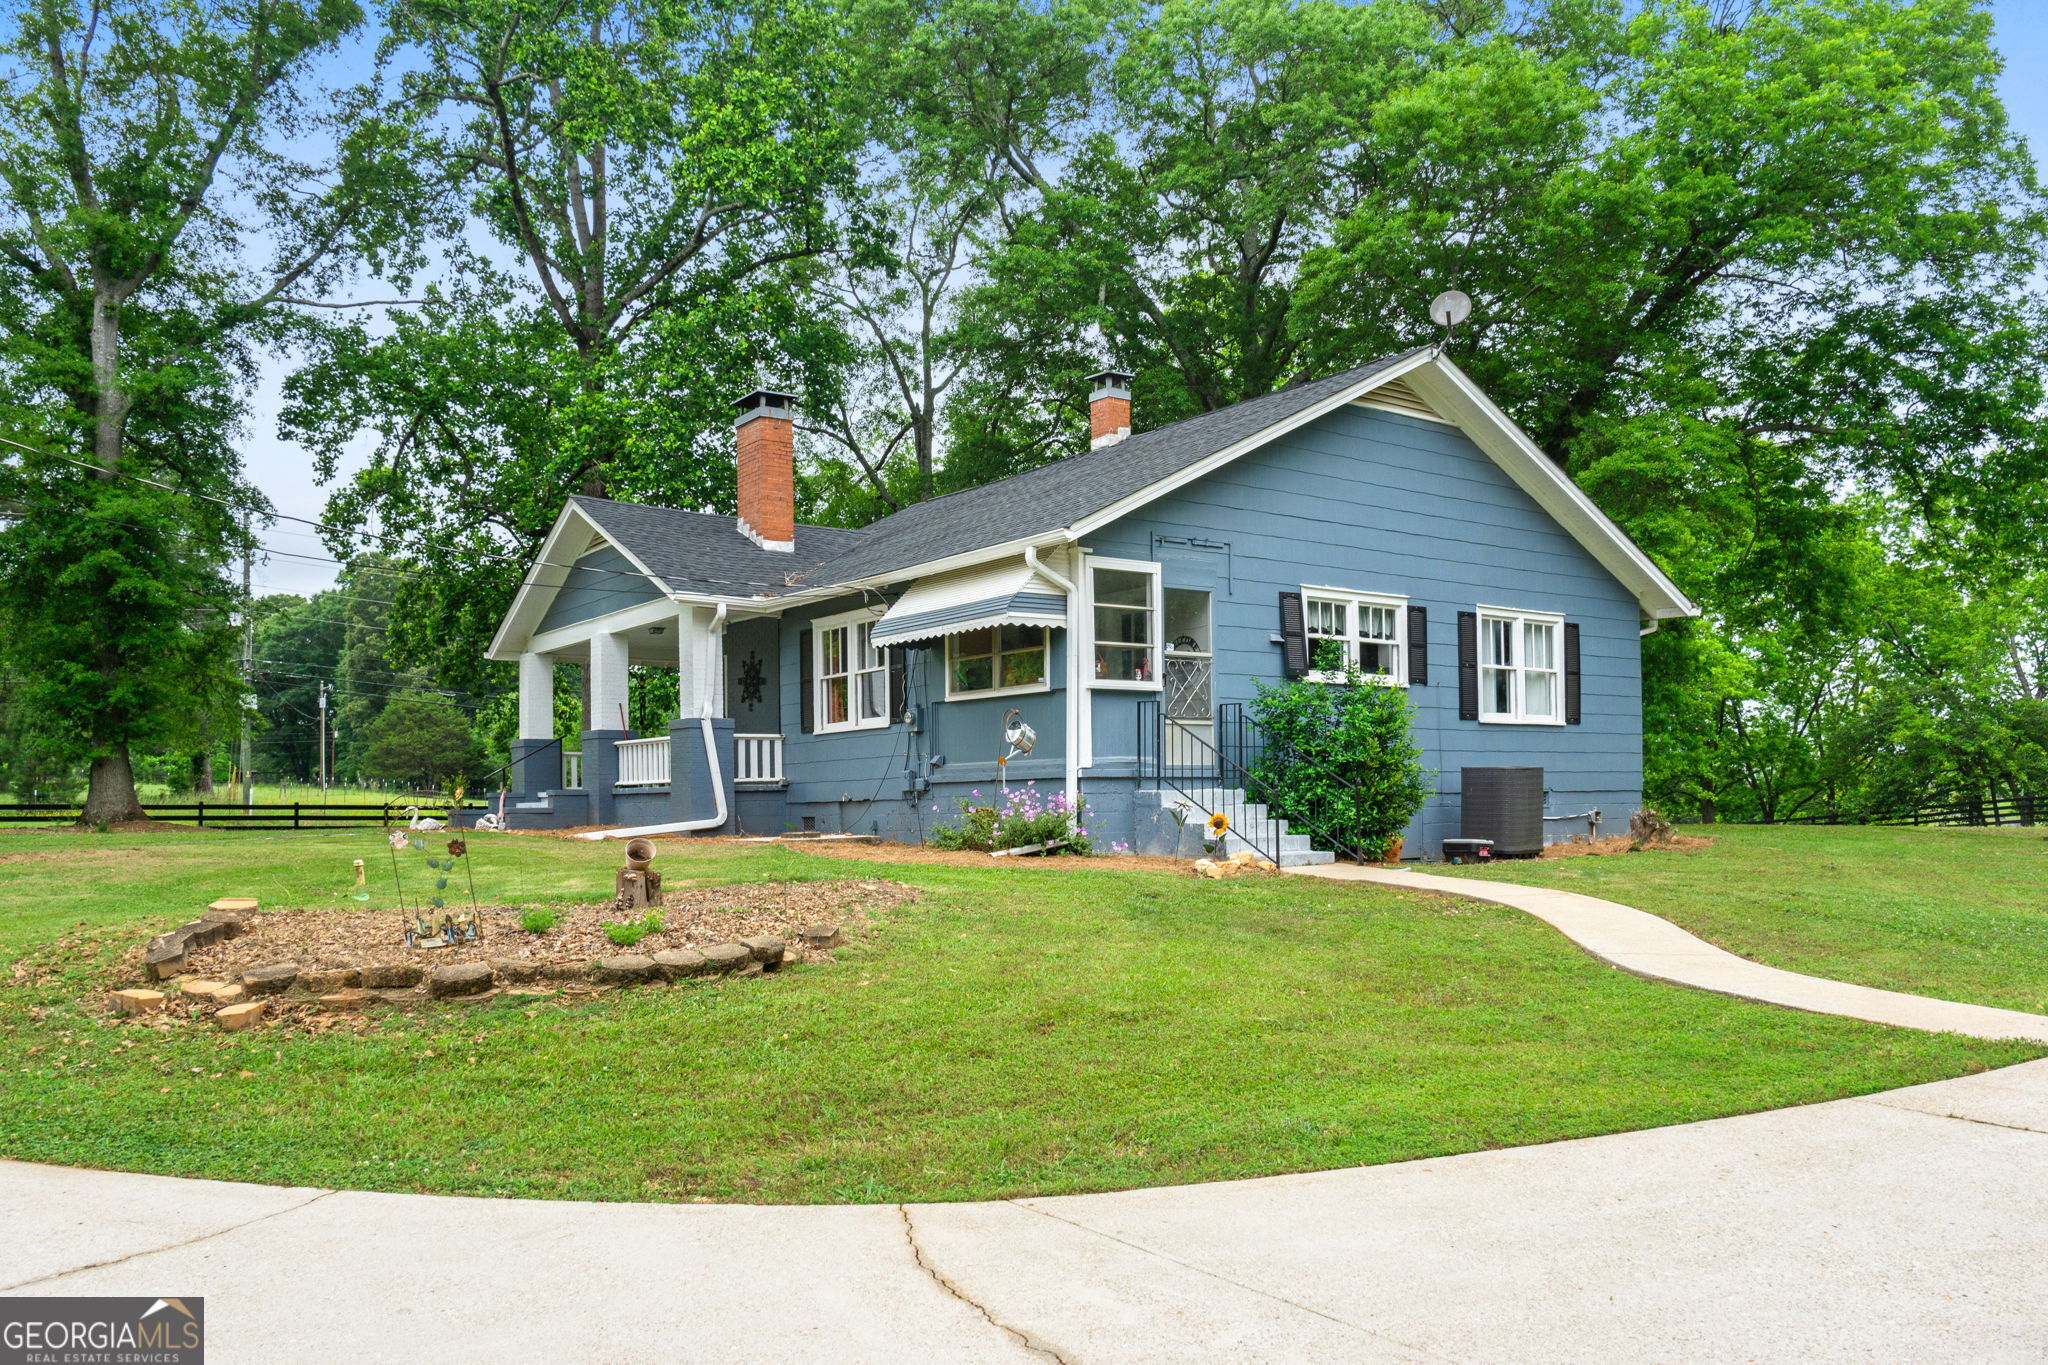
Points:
x=1293 y=636
x=807 y=690
x=1571 y=673
x=1418 y=644
x=1468 y=665
x=898 y=663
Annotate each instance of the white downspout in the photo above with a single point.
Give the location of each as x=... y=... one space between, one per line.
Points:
x=1074 y=692
x=714 y=682
x=683 y=826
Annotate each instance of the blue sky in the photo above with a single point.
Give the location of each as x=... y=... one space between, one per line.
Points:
x=282 y=470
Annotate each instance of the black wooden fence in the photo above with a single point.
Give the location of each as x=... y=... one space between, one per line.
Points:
x=2022 y=809
x=300 y=815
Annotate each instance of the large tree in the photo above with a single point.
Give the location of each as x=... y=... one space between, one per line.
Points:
x=647 y=187
x=153 y=229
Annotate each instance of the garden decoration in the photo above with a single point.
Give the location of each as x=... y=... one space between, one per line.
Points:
x=1219 y=826
x=637 y=885
x=432 y=924
x=494 y=822
x=414 y=820
x=1021 y=738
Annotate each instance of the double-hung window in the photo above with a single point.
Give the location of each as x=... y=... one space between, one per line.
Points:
x=853 y=675
x=1521 y=673
x=1125 y=594
x=1366 y=630
x=995 y=660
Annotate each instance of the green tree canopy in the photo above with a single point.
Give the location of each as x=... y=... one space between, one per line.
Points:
x=420 y=737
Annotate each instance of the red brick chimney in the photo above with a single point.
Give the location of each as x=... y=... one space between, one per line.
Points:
x=1109 y=409
x=767 y=469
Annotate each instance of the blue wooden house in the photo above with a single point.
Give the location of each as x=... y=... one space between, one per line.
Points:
x=1120 y=603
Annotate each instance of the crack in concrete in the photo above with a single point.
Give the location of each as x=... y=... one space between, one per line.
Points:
x=1419 y=1352
x=1959 y=1118
x=917 y=1253
x=157 y=1251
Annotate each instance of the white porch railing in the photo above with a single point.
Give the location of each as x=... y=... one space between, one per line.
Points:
x=572 y=769
x=643 y=762
x=759 y=758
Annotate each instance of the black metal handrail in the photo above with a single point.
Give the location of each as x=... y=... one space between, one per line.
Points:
x=1227 y=798
x=1322 y=819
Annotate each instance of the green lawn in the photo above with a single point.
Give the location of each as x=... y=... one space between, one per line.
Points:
x=1956 y=913
x=1021 y=1030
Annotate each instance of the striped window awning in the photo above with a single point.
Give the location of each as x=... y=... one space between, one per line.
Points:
x=1010 y=593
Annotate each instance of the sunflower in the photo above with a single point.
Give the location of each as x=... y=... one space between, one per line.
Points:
x=1219 y=825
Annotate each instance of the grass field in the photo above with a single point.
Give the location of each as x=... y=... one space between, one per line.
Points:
x=1956 y=913
x=1021 y=1030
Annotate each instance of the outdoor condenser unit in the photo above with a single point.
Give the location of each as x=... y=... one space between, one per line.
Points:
x=1506 y=806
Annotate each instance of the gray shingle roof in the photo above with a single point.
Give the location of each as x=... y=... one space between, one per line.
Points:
x=697 y=552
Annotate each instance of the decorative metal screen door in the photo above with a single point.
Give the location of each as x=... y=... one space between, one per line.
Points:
x=1189 y=680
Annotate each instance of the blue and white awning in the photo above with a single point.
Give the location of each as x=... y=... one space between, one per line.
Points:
x=1010 y=593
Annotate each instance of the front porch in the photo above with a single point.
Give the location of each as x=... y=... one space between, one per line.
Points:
x=700 y=775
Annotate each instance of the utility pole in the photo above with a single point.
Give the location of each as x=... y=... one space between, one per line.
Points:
x=323 y=740
x=248 y=671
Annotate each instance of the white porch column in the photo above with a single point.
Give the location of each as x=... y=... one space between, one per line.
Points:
x=607 y=682
x=536 y=696
x=700 y=663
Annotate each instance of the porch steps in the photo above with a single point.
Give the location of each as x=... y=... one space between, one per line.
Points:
x=1257 y=830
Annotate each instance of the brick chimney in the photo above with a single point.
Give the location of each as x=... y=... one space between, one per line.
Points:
x=767 y=468
x=1109 y=409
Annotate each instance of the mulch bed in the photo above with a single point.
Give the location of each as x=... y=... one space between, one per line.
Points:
x=920 y=853
x=691 y=918
x=1621 y=843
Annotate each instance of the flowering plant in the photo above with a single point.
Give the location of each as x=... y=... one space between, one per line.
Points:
x=1023 y=817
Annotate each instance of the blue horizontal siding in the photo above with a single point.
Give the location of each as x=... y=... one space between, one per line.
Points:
x=1378 y=502
x=602 y=582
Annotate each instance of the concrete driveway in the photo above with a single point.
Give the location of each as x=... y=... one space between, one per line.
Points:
x=1907 y=1226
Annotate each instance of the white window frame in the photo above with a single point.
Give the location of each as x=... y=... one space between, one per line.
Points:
x=1158 y=609
x=1351 y=599
x=851 y=622
x=1043 y=685
x=1520 y=670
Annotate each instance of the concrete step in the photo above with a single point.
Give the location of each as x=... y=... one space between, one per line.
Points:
x=1253 y=827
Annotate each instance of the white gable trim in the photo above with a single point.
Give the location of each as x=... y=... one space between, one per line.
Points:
x=1447 y=389
x=549 y=570
x=1451 y=391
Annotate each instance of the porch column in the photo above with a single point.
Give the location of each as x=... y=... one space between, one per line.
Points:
x=700 y=663
x=536 y=759
x=607 y=676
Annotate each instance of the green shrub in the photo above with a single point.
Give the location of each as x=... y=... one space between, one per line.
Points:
x=630 y=932
x=539 y=921
x=1340 y=762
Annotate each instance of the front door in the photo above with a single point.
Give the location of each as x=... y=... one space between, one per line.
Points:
x=1189 y=681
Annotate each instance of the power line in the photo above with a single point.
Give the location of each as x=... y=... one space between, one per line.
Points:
x=275 y=515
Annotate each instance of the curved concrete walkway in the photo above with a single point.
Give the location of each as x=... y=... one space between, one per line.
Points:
x=1640 y=942
x=1911 y=1225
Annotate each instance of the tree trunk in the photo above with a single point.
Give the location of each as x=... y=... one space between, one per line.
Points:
x=202 y=771
x=110 y=796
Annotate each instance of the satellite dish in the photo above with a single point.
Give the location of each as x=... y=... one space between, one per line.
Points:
x=1450 y=308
